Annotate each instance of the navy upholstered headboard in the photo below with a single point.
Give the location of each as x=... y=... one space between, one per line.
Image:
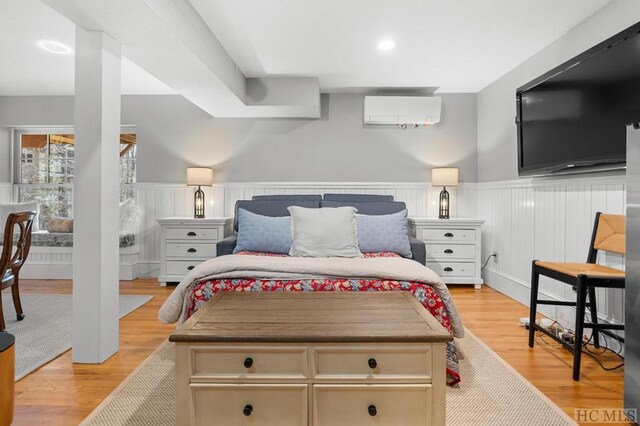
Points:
x=273 y=208
x=276 y=205
x=369 y=207
x=357 y=197
x=293 y=197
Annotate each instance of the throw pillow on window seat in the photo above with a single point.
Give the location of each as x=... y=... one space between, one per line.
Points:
x=60 y=225
x=7 y=209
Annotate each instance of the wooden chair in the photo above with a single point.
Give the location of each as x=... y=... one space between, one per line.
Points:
x=608 y=235
x=12 y=259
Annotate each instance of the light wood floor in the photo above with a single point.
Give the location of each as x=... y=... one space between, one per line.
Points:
x=63 y=393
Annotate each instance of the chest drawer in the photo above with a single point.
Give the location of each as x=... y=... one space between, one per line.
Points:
x=193 y=234
x=438 y=234
x=373 y=362
x=264 y=405
x=453 y=269
x=356 y=405
x=451 y=251
x=194 y=250
x=251 y=362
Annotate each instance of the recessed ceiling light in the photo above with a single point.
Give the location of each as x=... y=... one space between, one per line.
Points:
x=54 y=47
x=386 y=44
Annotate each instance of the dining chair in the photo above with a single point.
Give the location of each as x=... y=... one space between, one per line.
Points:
x=14 y=254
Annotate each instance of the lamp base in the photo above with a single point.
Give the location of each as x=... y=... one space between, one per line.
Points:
x=443 y=211
x=198 y=204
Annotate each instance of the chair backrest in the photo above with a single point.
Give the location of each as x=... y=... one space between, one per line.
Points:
x=609 y=234
x=14 y=259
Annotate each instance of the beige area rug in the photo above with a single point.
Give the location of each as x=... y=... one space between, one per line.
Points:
x=491 y=394
x=46 y=331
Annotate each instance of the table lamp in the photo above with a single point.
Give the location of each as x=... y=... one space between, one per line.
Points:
x=199 y=176
x=444 y=176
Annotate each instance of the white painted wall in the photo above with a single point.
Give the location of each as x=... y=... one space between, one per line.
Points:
x=497 y=138
x=5 y=155
x=173 y=134
x=543 y=218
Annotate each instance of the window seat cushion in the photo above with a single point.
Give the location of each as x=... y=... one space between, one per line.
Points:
x=47 y=239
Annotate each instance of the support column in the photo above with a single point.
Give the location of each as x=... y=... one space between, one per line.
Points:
x=96 y=196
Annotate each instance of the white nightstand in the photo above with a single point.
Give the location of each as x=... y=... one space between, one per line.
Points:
x=453 y=247
x=187 y=242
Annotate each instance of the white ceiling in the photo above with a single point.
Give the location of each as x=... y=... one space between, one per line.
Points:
x=458 y=46
x=28 y=70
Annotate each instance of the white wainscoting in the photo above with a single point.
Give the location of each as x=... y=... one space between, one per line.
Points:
x=547 y=220
x=56 y=263
x=167 y=199
x=6 y=192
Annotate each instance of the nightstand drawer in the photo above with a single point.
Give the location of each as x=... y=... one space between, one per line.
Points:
x=193 y=234
x=451 y=251
x=355 y=405
x=181 y=267
x=453 y=269
x=191 y=250
x=437 y=234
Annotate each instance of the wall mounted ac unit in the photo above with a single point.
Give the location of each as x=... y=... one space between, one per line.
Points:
x=402 y=111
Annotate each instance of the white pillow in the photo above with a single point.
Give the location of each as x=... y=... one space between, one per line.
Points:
x=130 y=217
x=324 y=232
x=7 y=209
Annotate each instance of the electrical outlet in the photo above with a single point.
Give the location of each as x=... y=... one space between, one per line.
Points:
x=495 y=257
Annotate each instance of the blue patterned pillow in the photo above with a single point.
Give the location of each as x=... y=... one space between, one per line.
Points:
x=263 y=233
x=388 y=232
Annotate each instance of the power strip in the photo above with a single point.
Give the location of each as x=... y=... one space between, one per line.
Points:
x=552 y=327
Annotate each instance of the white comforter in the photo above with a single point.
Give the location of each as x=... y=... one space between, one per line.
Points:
x=283 y=268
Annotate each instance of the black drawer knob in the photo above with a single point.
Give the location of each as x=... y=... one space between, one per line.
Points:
x=191 y=234
x=191 y=250
x=247 y=410
x=448 y=251
x=448 y=235
x=190 y=267
x=248 y=362
x=372 y=410
x=373 y=363
x=448 y=269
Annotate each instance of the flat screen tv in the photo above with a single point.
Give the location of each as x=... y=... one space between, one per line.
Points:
x=574 y=117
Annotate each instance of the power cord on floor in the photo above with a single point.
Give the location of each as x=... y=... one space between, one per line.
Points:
x=543 y=339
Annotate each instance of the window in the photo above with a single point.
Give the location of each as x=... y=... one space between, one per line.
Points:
x=46 y=167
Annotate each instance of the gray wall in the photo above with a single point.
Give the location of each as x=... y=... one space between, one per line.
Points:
x=173 y=133
x=497 y=139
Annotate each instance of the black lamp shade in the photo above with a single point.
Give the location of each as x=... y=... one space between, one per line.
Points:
x=444 y=204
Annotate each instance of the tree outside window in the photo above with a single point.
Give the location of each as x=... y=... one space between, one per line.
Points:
x=46 y=172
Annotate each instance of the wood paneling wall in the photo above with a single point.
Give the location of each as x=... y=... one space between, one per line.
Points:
x=6 y=192
x=548 y=220
x=165 y=200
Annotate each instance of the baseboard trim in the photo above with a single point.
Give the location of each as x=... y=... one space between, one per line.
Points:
x=520 y=291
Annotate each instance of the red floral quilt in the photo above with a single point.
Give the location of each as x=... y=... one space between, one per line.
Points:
x=202 y=291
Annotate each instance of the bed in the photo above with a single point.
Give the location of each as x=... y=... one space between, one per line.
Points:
x=259 y=271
